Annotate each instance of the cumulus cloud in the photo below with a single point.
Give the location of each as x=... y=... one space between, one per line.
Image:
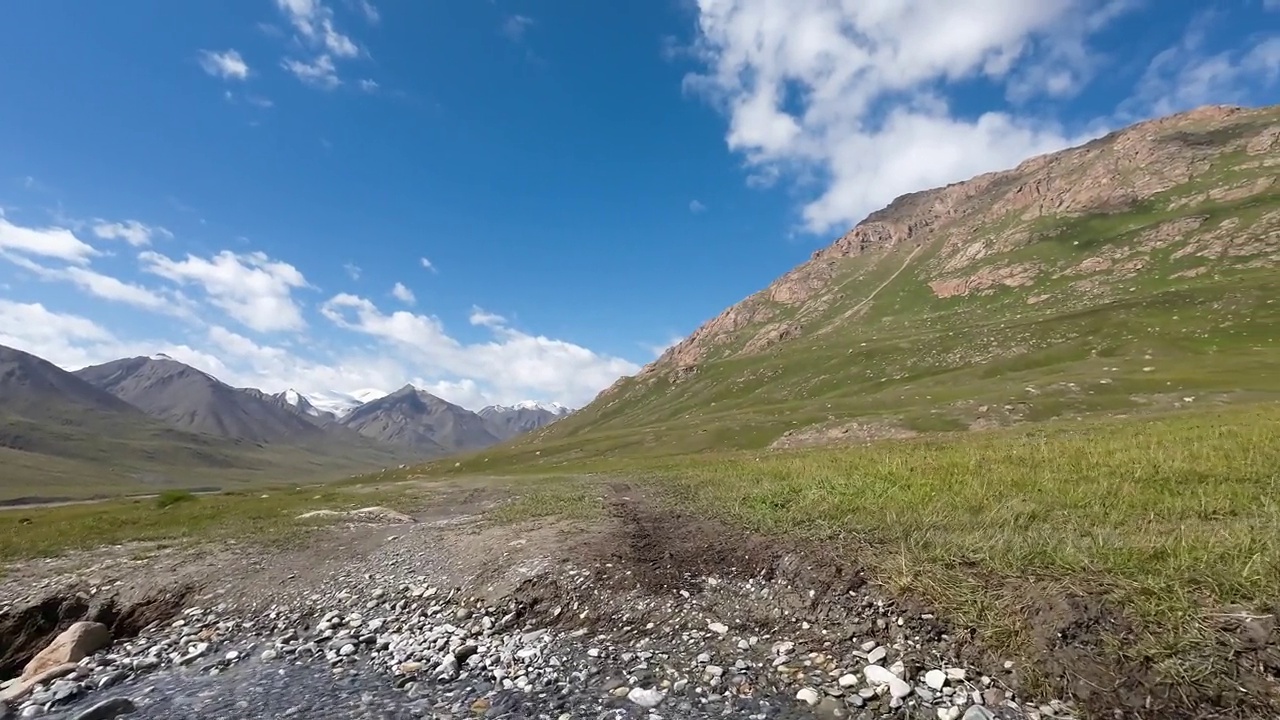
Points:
x=850 y=94
x=72 y=341
x=427 y=264
x=403 y=294
x=369 y=86
x=250 y=288
x=226 y=64
x=133 y=232
x=482 y=317
x=48 y=242
x=113 y=289
x=1187 y=75
x=512 y=364
x=696 y=206
x=314 y=22
x=319 y=73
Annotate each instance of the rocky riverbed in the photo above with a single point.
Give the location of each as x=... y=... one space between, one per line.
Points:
x=455 y=620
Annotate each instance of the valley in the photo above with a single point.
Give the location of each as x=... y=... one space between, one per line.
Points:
x=147 y=424
x=1009 y=448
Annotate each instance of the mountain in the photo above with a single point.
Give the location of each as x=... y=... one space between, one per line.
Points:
x=191 y=400
x=339 y=404
x=506 y=422
x=301 y=404
x=416 y=419
x=1134 y=273
x=62 y=436
x=30 y=386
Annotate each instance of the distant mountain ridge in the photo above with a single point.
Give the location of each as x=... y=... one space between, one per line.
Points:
x=161 y=418
x=509 y=421
x=416 y=418
x=192 y=400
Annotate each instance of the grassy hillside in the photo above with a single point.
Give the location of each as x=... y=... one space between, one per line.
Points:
x=996 y=313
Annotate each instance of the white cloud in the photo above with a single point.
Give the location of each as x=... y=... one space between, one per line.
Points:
x=482 y=317
x=226 y=64
x=513 y=364
x=515 y=26
x=403 y=294
x=369 y=86
x=314 y=22
x=369 y=11
x=1186 y=75
x=696 y=206
x=72 y=341
x=427 y=264
x=848 y=93
x=50 y=242
x=251 y=288
x=131 y=231
x=353 y=270
x=319 y=73
x=111 y=288
x=36 y=322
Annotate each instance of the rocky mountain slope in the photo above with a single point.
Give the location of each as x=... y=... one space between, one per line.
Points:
x=195 y=401
x=32 y=386
x=508 y=421
x=1135 y=272
x=410 y=417
x=61 y=436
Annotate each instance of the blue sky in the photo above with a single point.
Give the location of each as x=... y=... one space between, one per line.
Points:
x=252 y=186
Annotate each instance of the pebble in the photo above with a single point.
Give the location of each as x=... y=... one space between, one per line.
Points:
x=394 y=654
x=646 y=697
x=808 y=696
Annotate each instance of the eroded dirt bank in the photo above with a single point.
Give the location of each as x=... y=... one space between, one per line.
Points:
x=640 y=612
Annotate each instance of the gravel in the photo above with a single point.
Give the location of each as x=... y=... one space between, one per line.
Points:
x=382 y=649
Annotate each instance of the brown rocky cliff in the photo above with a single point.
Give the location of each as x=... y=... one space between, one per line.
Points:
x=1108 y=174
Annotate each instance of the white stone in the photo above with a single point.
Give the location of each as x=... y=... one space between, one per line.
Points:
x=935 y=679
x=949 y=713
x=957 y=674
x=876 y=655
x=877 y=676
x=848 y=680
x=808 y=696
x=646 y=697
x=718 y=628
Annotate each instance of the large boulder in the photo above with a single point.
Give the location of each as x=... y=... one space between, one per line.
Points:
x=74 y=644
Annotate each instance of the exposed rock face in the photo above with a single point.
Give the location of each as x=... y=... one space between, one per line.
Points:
x=73 y=645
x=969 y=224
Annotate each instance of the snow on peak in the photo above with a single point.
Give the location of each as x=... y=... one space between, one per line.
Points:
x=553 y=408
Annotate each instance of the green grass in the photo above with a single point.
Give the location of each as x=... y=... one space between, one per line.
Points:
x=261 y=515
x=563 y=497
x=1168 y=517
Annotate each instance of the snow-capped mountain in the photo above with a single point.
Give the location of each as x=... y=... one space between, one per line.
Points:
x=553 y=408
x=301 y=403
x=507 y=421
x=339 y=404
